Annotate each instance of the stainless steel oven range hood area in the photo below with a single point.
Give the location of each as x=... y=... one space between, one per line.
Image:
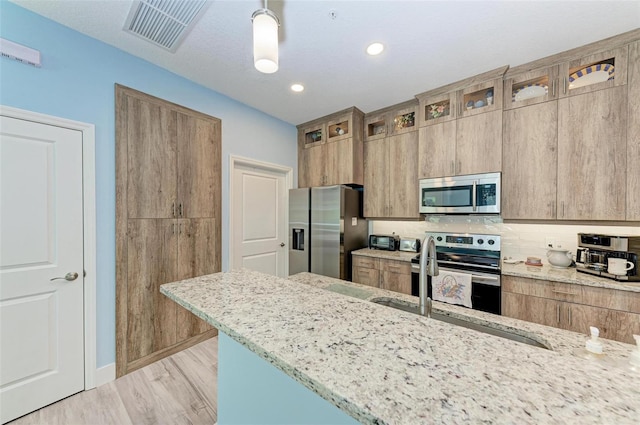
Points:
x=468 y=194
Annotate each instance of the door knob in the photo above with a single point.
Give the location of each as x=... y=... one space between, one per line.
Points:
x=69 y=276
x=281 y=243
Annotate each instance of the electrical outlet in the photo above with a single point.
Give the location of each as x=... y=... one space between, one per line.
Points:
x=550 y=242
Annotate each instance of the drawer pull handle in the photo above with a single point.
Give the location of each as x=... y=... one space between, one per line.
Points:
x=555 y=291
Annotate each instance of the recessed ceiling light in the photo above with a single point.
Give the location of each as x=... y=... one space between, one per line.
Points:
x=297 y=87
x=375 y=49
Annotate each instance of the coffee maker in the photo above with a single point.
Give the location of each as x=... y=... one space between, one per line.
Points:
x=594 y=252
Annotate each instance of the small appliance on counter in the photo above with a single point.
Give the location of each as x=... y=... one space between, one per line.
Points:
x=614 y=257
x=384 y=242
x=409 y=245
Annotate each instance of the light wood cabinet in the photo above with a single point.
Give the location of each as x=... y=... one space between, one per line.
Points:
x=576 y=144
x=152 y=183
x=390 y=162
x=469 y=145
x=330 y=150
x=161 y=142
x=168 y=204
x=391 y=177
x=633 y=134
x=461 y=127
x=395 y=276
x=376 y=179
x=592 y=155
x=392 y=275
x=573 y=307
x=479 y=143
x=530 y=162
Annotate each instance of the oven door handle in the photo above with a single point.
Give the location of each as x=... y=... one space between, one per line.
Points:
x=456 y=263
x=486 y=280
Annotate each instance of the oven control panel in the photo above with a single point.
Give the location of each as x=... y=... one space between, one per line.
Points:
x=466 y=240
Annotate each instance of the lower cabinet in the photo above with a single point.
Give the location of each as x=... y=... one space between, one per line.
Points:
x=573 y=307
x=392 y=275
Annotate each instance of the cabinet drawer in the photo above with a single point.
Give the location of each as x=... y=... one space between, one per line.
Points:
x=366 y=276
x=367 y=262
x=402 y=267
x=542 y=288
x=611 y=299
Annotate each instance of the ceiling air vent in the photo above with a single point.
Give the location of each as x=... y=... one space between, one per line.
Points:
x=164 y=23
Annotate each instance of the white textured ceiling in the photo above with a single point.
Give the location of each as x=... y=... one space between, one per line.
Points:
x=428 y=44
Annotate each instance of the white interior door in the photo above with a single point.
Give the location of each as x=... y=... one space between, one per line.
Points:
x=41 y=216
x=259 y=209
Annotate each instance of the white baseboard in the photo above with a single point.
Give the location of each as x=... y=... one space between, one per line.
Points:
x=105 y=374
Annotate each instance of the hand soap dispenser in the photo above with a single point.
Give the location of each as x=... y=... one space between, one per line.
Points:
x=593 y=345
x=593 y=348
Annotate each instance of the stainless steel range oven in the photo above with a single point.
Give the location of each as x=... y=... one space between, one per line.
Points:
x=473 y=254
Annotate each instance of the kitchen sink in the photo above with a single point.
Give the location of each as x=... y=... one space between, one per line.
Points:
x=412 y=308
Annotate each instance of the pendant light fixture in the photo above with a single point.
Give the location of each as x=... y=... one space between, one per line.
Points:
x=265 y=40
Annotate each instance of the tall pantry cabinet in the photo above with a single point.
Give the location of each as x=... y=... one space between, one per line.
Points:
x=168 y=218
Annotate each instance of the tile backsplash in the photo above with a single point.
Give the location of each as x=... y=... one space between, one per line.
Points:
x=518 y=240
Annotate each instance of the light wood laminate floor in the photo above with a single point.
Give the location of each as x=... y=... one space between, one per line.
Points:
x=180 y=389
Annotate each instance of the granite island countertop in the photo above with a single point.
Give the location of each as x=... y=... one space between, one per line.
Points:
x=382 y=365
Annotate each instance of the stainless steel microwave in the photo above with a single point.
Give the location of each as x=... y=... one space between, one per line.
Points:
x=469 y=194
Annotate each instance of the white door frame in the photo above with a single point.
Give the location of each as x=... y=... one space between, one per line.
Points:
x=89 y=237
x=234 y=162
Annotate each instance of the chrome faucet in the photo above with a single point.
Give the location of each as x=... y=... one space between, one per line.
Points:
x=428 y=267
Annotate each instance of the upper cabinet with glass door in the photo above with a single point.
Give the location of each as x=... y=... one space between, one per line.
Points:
x=340 y=128
x=436 y=108
x=312 y=135
x=597 y=71
x=480 y=98
x=404 y=117
x=526 y=87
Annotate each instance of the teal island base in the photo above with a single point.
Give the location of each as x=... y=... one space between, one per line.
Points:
x=252 y=391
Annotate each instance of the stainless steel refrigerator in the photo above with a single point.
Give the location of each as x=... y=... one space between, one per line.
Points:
x=325 y=225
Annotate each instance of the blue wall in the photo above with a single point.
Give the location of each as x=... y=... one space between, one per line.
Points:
x=76 y=81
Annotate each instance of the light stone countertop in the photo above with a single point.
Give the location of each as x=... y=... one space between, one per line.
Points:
x=381 y=365
x=567 y=275
x=545 y=272
x=387 y=255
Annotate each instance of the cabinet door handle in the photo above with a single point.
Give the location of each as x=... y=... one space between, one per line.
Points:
x=564 y=85
x=553 y=88
x=563 y=209
x=569 y=311
x=173 y=229
x=558 y=313
x=173 y=209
